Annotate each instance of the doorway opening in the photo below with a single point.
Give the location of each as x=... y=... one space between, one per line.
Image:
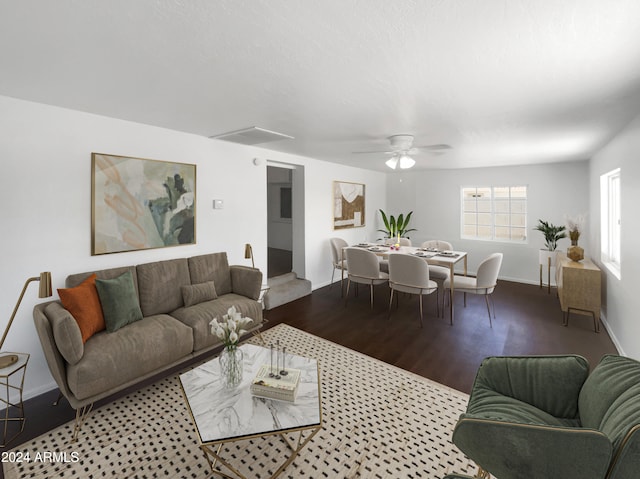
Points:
x=285 y=219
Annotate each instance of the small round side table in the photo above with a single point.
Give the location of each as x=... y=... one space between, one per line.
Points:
x=11 y=387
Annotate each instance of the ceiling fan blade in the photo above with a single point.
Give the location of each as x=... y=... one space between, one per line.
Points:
x=439 y=146
x=370 y=152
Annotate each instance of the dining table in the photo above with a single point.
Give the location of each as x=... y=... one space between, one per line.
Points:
x=446 y=258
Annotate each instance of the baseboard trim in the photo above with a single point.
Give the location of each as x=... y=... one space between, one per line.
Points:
x=611 y=334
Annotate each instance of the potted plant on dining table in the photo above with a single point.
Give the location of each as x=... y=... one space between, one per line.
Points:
x=396 y=228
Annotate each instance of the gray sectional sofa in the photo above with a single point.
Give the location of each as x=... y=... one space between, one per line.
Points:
x=169 y=333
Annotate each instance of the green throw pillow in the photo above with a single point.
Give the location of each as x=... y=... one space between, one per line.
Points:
x=120 y=305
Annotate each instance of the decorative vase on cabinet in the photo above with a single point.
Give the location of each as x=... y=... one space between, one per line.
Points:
x=575 y=252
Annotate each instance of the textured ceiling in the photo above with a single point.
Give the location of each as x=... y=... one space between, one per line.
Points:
x=502 y=81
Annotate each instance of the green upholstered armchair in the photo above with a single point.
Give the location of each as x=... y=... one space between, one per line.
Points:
x=545 y=417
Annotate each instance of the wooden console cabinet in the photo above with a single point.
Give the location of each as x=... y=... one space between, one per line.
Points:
x=578 y=288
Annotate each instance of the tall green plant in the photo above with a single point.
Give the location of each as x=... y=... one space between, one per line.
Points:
x=395 y=227
x=552 y=234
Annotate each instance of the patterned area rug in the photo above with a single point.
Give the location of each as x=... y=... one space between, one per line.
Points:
x=379 y=422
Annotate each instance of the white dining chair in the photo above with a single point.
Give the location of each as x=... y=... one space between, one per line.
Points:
x=438 y=244
x=339 y=261
x=484 y=283
x=384 y=264
x=410 y=274
x=364 y=268
x=439 y=273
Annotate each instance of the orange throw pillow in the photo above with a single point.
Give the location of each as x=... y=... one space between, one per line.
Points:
x=84 y=305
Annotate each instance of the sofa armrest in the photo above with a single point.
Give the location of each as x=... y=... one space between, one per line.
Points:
x=549 y=383
x=512 y=450
x=55 y=361
x=246 y=281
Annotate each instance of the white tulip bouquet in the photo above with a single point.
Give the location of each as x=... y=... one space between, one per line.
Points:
x=231 y=328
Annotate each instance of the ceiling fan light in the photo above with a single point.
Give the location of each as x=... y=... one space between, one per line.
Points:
x=392 y=162
x=406 y=162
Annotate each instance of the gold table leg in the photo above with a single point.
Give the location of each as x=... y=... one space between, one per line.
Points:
x=295 y=450
x=451 y=272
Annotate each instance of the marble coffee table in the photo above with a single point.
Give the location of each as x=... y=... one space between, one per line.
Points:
x=223 y=415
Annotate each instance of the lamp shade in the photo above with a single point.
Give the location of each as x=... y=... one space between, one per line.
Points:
x=248 y=253
x=400 y=159
x=45 y=285
x=406 y=162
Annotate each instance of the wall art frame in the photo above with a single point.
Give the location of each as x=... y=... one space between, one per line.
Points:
x=348 y=205
x=139 y=204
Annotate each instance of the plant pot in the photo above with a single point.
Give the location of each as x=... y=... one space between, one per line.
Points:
x=545 y=255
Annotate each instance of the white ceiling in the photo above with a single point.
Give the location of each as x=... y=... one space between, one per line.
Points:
x=502 y=81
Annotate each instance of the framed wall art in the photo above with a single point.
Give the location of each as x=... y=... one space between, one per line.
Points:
x=140 y=204
x=348 y=205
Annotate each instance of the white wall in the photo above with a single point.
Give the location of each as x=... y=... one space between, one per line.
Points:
x=46 y=197
x=554 y=190
x=621 y=301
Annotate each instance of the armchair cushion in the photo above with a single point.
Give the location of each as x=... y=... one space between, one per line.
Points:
x=549 y=383
x=494 y=406
x=610 y=398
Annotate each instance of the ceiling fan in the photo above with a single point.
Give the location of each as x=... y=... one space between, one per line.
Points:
x=401 y=150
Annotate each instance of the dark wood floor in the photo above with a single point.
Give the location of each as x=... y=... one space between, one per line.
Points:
x=528 y=322
x=279 y=261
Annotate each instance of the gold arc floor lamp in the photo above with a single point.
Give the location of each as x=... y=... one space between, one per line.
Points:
x=44 y=292
x=248 y=253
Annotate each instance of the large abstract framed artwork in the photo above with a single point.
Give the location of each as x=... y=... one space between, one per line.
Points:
x=348 y=205
x=140 y=204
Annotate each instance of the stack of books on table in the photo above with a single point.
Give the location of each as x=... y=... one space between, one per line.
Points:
x=284 y=389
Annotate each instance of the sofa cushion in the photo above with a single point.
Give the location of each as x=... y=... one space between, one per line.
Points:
x=84 y=305
x=113 y=359
x=200 y=315
x=159 y=285
x=246 y=281
x=119 y=301
x=211 y=267
x=66 y=332
x=75 y=279
x=198 y=293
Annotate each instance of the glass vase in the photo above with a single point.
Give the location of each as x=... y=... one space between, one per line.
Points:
x=231 y=366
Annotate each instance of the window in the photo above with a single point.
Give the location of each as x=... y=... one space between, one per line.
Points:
x=494 y=213
x=610 y=218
